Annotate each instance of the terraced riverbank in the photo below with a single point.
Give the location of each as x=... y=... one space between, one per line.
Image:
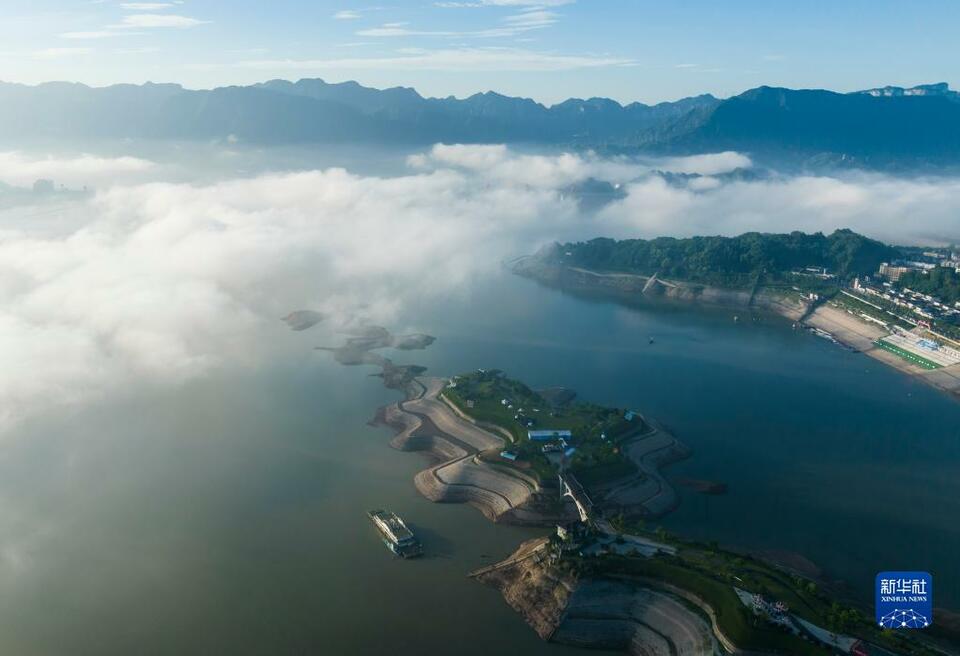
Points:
x=599 y=613
x=464 y=452
x=425 y=423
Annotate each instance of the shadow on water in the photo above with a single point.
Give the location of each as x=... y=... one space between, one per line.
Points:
x=435 y=543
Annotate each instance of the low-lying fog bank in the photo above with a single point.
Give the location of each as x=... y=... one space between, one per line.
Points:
x=159 y=263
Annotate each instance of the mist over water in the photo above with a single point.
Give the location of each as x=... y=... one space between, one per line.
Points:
x=164 y=268
x=229 y=516
x=228 y=513
x=179 y=470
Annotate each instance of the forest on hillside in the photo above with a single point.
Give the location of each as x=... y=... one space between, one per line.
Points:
x=732 y=260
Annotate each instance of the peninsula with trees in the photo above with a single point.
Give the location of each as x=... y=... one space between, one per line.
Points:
x=898 y=304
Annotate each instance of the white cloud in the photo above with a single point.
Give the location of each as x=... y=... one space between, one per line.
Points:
x=145 y=6
x=453 y=4
x=20 y=169
x=707 y=164
x=703 y=183
x=171 y=280
x=532 y=19
x=894 y=209
x=347 y=14
x=526 y=3
x=158 y=20
x=159 y=283
x=498 y=162
x=458 y=59
x=501 y=162
x=512 y=26
x=529 y=19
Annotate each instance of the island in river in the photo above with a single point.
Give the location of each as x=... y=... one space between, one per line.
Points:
x=500 y=446
x=601 y=579
x=838 y=286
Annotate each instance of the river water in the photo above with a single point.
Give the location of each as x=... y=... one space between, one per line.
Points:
x=227 y=515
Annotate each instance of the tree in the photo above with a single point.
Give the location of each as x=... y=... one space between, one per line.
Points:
x=619 y=523
x=732 y=260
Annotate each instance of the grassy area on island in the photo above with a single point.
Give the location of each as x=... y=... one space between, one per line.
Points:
x=711 y=574
x=592 y=452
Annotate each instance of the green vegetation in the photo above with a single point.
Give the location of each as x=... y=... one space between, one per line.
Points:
x=857 y=305
x=907 y=355
x=598 y=432
x=733 y=618
x=949 y=330
x=711 y=574
x=733 y=261
x=942 y=282
x=592 y=474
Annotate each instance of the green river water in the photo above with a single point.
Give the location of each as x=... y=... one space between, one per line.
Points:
x=227 y=515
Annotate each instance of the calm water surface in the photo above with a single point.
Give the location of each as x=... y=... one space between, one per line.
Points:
x=826 y=452
x=228 y=516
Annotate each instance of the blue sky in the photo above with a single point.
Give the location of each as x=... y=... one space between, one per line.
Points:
x=545 y=49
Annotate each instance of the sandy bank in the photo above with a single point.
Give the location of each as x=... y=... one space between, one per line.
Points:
x=861 y=335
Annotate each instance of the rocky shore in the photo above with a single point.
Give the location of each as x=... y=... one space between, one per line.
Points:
x=600 y=613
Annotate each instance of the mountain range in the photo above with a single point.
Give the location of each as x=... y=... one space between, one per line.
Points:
x=883 y=127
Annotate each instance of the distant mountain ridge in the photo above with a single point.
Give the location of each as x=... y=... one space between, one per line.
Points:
x=868 y=129
x=938 y=89
x=491 y=116
x=887 y=126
